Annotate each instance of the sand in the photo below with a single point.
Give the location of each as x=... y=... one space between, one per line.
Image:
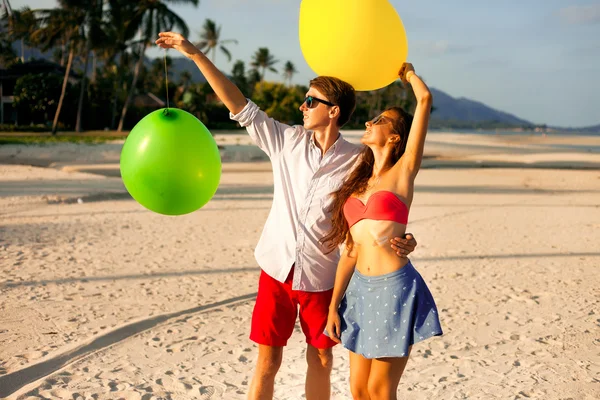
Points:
x=102 y=299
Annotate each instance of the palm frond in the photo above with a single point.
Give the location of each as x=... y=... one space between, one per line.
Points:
x=227 y=53
x=201 y=45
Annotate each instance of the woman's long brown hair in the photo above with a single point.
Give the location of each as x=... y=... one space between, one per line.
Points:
x=358 y=180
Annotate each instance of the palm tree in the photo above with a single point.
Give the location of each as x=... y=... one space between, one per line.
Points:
x=150 y=18
x=9 y=23
x=183 y=84
x=60 y=25
x=238 y=77
x=211 y=39
x=253 y=78
x=19 y=24
x=185 y=79
x=93 y=35
x=288 y=72
x=7 y=7
x=153 y=79
x=7 y=36
x=119 y=37
x=7 y=54
x=263 y=60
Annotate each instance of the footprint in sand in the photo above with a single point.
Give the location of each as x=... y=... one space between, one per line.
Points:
x=207 y=392
x=210 y=389
x=175 y=386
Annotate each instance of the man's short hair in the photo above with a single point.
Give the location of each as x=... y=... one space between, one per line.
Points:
x=338 y=92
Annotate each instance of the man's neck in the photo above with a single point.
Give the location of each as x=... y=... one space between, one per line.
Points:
x=325 y=138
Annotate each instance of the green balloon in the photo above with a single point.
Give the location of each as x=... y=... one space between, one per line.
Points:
x=170 y=163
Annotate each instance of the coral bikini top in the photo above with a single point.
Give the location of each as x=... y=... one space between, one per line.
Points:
x=381 y=205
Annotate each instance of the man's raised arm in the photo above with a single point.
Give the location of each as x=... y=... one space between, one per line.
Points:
x=229 y=93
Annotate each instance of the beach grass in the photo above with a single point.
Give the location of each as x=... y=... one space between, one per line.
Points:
x=35 y=138
x=87 y=137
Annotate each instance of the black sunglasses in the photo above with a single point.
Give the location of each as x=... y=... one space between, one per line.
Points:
x=311 y=102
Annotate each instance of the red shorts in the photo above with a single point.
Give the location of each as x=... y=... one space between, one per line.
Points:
x=276 y=308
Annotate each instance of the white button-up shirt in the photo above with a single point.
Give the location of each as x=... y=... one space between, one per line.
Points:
x=303 y=180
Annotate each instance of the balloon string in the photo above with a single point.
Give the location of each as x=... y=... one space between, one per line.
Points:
x=166 y=79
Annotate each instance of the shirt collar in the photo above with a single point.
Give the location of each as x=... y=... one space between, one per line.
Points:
x=334 y=147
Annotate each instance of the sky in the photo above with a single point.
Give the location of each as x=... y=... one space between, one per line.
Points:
x=536 y=59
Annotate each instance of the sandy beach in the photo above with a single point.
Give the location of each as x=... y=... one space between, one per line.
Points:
x=103 y=299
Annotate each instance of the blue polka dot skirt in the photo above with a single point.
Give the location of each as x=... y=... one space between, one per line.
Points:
x=383 y=315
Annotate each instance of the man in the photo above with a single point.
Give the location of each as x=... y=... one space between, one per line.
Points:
x=298 y=271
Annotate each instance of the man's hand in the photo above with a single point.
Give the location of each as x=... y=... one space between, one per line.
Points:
x=404 y=246
x=172 y=40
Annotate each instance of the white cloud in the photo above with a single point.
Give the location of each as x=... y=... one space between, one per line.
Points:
x=579 y=15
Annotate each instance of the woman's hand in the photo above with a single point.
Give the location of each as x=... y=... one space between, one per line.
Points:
x=172 y=40
x=333 y=326
x=406 y=72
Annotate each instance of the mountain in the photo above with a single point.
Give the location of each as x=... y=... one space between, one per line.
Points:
x=585 y=129
x=460 y=111
x=180 y=64
x=592 y=129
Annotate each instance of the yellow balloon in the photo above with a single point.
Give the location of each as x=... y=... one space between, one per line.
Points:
x=362 y=42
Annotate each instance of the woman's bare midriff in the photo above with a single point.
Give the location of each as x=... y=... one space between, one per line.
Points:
x=372 y=246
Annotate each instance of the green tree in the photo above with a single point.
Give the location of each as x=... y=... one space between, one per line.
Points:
x=93 y=35
x=35 y=97
x=253 y=79
x=151 y=17
x=279 y=101
x=115 y=55
x=154 y=78
x=19 y=25
x=262 y=61
x=183 y=83
x=200 y=100
x=7 y=54
x=289 y=70
x=238 y=77
x=210 y=40
x=60 y=25
x=369 y=104
x=185 y=79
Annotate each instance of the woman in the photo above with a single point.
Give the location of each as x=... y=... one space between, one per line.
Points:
x=381 y=306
